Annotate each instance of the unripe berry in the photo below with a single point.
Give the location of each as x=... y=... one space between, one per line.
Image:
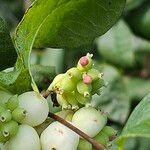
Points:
x=19 y=114
x=2 y=108
x=81 y=99
x=75 y=74
x=67 y=85
x=95 y=75
x=102 y=138
x=109 y=131
x=89 y=120
x=3 y=139
x=105 y=135
x=70 y=97
x=62 y=101
x=57 y=79
x=36 y=107
x=85 y=63
x=84 y=145
x=5 y=116
x=12 y=103
x=9 y=129
x=59 y=137
x=25 y=139
x=84 y=89
x=87 y=79
x=69 y=116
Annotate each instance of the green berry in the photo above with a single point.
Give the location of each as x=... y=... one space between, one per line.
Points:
x=2 y=109
x=81 y=99
x=70 y=97
x=84 y=145
x=19 y=114
x=5 y=116
x=109 y=131
x=84 y=89
x=54 y=85
x=67 y=85
x=3 y=139
x=75 y=74
x=94 y=74
x=69 y=116
x=62 y=101
x=12 y=103
x=102 y=138
x=9 y=129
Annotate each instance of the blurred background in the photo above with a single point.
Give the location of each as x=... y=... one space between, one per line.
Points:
x=122 y=54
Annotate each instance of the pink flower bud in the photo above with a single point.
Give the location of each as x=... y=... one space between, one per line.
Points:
x=87 y=79
x=84 y=61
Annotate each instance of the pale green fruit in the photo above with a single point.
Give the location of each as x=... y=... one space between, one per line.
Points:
x=59 y=137
x=9 y=129
x=67 y=84
x=36 y=108
x=81 y=99
x=25 y=139
x=84 y=89
x=84 y=145
x=5 y=116
x=75 y=74
x=19 y=114
x=62 y=101
x=57 y=79
x=12 y=103
x=2 y=108
x=89 y=120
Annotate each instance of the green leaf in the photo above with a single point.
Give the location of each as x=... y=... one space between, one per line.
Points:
x=7 y=50
x=16 y=80
x=138 y=124
x=65 y=23
x=120 y=48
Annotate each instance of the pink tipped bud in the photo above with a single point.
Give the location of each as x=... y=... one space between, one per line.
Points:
x=84 y=61
x=87 y=79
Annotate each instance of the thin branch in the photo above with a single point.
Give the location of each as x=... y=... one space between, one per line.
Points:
x=45 y=94
x=95 y=144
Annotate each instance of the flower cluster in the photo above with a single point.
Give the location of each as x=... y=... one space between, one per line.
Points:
x=76 y=87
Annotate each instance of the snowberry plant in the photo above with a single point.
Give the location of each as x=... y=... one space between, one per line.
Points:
x=29 y=119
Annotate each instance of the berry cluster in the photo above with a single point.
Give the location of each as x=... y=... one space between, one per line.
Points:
x=10 y=115
x=29 y=108
x=21 y=116
x=76 y=87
